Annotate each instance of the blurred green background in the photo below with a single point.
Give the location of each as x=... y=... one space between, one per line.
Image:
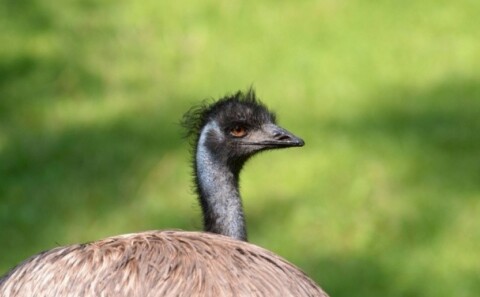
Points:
x=384 y=200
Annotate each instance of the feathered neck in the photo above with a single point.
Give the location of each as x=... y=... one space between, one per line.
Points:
x=217 y=188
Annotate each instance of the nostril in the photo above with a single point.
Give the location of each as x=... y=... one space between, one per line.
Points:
x=282 y=137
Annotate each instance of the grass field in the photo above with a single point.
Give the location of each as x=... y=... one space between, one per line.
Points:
x=384 y=200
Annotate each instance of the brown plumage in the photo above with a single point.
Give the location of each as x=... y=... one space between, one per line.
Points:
x=159 y=263
x=175 y=263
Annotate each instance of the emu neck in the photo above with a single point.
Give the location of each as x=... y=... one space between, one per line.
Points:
x=217 y=186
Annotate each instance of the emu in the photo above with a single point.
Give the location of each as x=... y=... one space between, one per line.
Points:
x=218 y=262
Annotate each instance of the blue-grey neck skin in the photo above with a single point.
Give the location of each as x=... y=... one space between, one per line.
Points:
x=217 y=186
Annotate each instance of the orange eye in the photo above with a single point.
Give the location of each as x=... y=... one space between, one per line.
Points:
x=238 y=131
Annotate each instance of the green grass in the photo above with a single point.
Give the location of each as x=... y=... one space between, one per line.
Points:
x=383 y=200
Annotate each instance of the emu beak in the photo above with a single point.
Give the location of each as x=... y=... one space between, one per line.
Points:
x=273 y=136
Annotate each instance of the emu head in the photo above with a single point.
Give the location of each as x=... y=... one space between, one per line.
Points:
x=236 y=127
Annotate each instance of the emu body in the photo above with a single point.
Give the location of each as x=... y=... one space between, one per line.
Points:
x=158 y=263
x=218 y=262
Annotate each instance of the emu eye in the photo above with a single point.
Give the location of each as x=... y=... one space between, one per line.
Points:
x=238 y=131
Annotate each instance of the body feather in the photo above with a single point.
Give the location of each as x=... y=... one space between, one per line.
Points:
x=146 y=265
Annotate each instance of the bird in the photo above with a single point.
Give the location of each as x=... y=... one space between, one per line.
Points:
x=216 y=262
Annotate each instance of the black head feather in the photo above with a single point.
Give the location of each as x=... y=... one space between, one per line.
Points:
x=241 y=107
